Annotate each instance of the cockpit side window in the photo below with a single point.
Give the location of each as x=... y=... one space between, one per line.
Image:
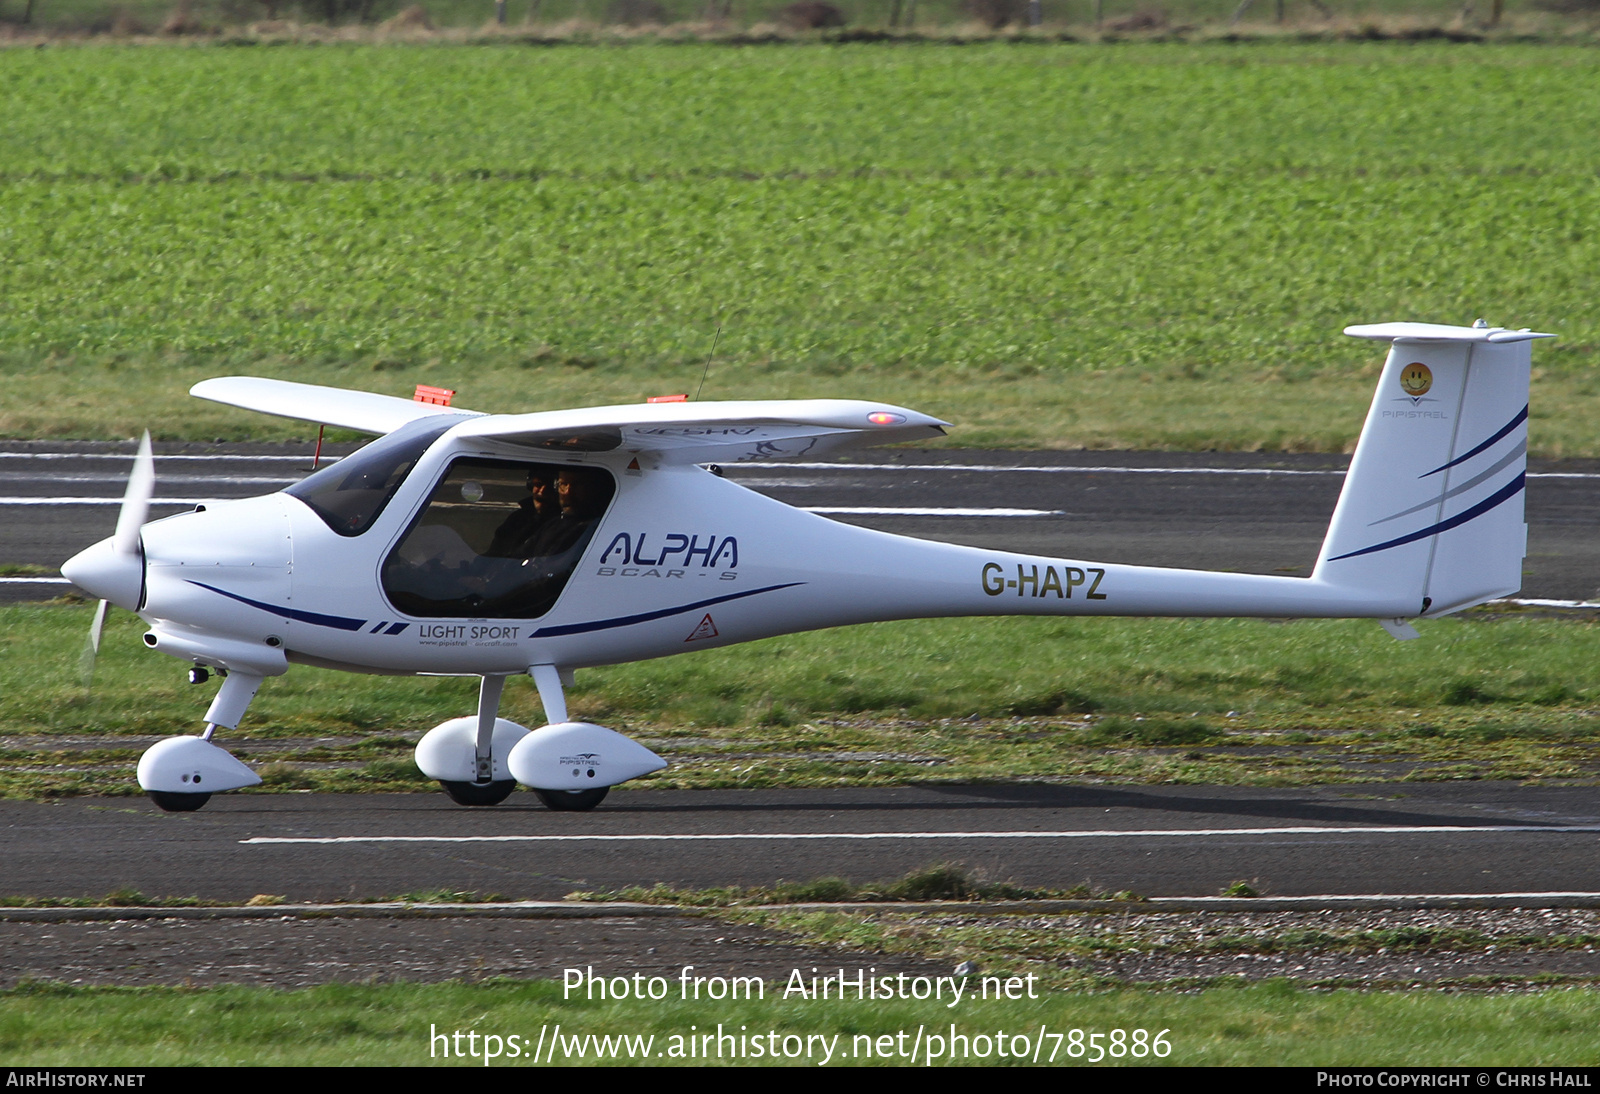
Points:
x=350 y=494
x=498 y=539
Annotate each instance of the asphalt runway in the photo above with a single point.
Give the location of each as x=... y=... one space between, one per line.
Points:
x=1422 y=840
x=1261 y=513
x=1246 y=512
x=1416 y=839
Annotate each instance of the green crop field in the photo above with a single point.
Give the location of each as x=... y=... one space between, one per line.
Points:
x=565 y=19
x=1051 y=245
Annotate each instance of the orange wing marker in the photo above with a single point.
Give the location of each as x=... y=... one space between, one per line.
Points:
x=438 y=396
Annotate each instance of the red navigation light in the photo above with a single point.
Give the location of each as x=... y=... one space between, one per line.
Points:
x=668 y=399
x=883 y=417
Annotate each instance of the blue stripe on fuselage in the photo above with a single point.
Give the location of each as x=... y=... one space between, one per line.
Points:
x=337 y=622
x=645 y=617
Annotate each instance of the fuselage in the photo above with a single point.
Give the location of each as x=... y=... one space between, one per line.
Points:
x=677 y=558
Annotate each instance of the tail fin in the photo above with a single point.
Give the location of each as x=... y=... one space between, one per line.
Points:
x=1432 y=506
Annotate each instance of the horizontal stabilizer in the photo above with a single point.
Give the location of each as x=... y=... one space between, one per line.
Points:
x=703 y=432
x=362 y=411
x=1441 y=332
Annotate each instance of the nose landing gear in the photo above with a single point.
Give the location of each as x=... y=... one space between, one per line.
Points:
x=181 y=773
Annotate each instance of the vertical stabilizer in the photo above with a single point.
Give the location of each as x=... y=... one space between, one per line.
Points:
x=1432 y=508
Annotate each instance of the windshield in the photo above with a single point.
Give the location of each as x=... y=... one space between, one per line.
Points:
x=350 y=494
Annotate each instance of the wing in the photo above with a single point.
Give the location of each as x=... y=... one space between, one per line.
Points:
x=363 y=411
x=706 y=432
x=674 y=432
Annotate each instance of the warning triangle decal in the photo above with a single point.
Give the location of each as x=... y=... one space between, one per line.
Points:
x=706 y=629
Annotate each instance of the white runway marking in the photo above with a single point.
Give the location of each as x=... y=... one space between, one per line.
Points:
x=107 y=501
x=1505 y=600
x=1093 y=470
x=1591 y=605
x=127 y=457
x=916 y=511
x=1135 y=833
x=857 y=510
x=1032 y=469
x=1535 y=603
x=121 y=480
x=1352 y=898
x=808 y=466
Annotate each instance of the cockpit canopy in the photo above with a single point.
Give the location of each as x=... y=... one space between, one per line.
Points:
x=498 y=539
x=350 y=494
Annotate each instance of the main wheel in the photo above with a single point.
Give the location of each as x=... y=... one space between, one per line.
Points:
x=572 y=801
x=479 y=793
x=174 y=802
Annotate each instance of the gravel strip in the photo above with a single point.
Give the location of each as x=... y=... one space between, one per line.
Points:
x=1478 y=948
x=298 y=952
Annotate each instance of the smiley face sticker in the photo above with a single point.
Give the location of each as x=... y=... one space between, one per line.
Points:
x=1416 y=378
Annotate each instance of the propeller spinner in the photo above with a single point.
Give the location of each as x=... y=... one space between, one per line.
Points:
x=113 y=569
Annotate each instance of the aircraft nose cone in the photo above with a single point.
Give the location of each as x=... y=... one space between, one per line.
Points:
x=101 y=571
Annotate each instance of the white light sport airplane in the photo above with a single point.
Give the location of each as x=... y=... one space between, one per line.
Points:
x=497 y=544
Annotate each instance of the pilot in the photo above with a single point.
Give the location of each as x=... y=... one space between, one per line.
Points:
x=514 y=538
x=581 y=499
x=549 y=557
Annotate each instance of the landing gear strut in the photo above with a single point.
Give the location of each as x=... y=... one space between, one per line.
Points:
x=468 y=755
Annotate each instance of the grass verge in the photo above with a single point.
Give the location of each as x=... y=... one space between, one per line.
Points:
x=938 y=882
x=1490 y=695
x=1263 y=1024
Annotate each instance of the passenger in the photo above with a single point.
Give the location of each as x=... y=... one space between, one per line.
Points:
x=516 y=534
x=582 y=499
x=556 y=548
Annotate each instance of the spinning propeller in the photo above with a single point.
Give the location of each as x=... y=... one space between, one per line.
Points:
x=114 y=568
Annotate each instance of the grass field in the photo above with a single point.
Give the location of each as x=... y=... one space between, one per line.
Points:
x=566 y=18
x=1147 y=245
x=1198 y=701
x=1270 y=1024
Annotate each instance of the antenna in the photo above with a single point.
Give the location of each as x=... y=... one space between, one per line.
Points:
x=709 y=356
